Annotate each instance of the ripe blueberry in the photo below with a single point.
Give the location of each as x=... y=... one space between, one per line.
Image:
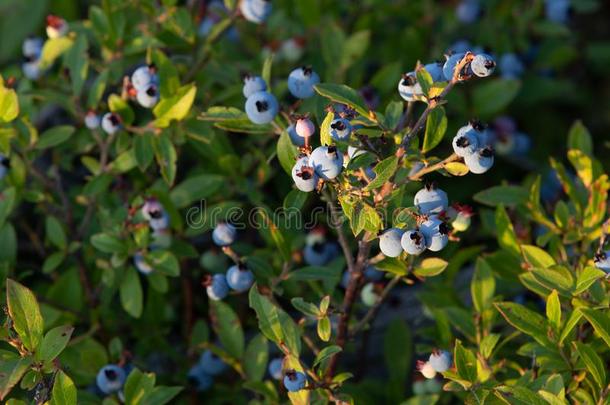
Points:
x=409 y=88
x=143 y=77
x=466 y=141
x=436 y=233
x=435 y=70
x=413 y=242
x=253 y=84
x=294 y=137
x=340 y=129
x=211 y=364
x=111 y=123
x=92 y=120
x=261 y=107
x=327 y=161
x=389 y=242
x=224 y=234
x=431 y=200
x=294 y=380
x=240 y=278
x=199 y=379
x=319 y=253
x=275 y=368
x=216 y=287
x=141 y=264
x=31 y=69
x=602 y=261
x=510 y=66
x=468 y=11
x=149 y=97
x=483 y=65
x=110 y=378
x=304 y=176
x=301 y=82
x=32 y=47
x=481 y=161
x=155 y=214
x=440 y=360
x=255 y=11
x=451 y=64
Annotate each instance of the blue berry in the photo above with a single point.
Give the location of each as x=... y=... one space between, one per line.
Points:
x=481 y=161
x=409 y=88
x=431 y=200
x=435 y=70
x=440 y=361
x=483 y=65
x=32 y=47
x=327 y=161
x=294 y=381
x=340 y=129
x=5 y=165
x=602 y=261
x=436 y=233
x=275 y=368
x=217 y=287
x=557 y=10
x=31 y=69
x=371 y=273
x=413 y=242
x=301 y=82
x=510 y=66
x=451 y=64
x=143 y=77
x=141 y=265
x=111 y=123
x=92 y=120
x=211 y=364
x=110 y=379
x=148 y=97
x=199 y=379
x=304 y=176
x=155 y=214
x=468 y=11
x=319 y=253
x=466 y=141
x=389 y=242
x=255 y=11
x=253 y=84
x=294 y=137
x=224 y=234
x=261 y=107
x=240 y=278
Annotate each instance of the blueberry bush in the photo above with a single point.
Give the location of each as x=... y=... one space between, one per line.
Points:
x=306 y=202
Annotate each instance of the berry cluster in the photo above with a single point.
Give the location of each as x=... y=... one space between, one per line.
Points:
x=472 y=143
x=158 y=220
x=32 y=47
x=438 y=362
x=238 y=277
x=201 y=375
x=144 y=86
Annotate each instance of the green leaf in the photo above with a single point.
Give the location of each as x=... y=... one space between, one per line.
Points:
x=324 y=329
x=120 y=106
x=167 y=157
x=586 y=278
x=393 y=113
x=436 y=126
x=161 y=395
x=383 y=171
x=97 y=89
x=294 y=202
x=525 y=320
x=600 y=321
x=312 y=273
x=195 y=189
x=9 y=104
x=570 y=324
x=583 y=165
x=343 y=94
x=7 y=203
x=11 y=371
x=53 y=343
x=456 y=168
x=488 y=343
x=519 y=395
x=130 y=292
x=425 y=80
x=255 y=358
x=108 y=243
x=325 y=137
x=492 y=96
x=164 y=262
x=53 y=48
x=55 y=232
x=505 y=195
x=354 y=48
x=306 y=308
x=557 y=277
x=325 y=354
x=137 y=386
x=592 y=362
x=24 y=311
x=168 y=73
x=64 y=390
x=228 y=328
x=483 y=286
x=465 y=362
x=54 y=136
x=537 y=257
x=505 y=232
x=553 y=310
x=431 y=266
x=579 y=138
x=266 y=71
x=176 y=107
x=77 y=61
x=143 y=150
x=286 y=152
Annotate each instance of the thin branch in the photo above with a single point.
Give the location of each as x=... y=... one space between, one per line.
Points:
x=337 y=224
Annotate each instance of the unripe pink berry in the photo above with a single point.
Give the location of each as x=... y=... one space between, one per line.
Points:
x=305 y=128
